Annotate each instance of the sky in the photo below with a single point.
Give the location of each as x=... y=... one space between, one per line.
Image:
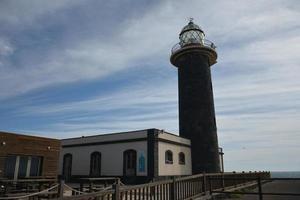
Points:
x=74 y=68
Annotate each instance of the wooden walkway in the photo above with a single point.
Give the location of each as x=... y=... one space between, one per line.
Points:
x=177 y=188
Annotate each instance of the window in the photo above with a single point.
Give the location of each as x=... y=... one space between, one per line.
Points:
x=36 y=166
x=10 y=165
x=22 y=166
x=169 y=157
x=181 y=158
x=95 y=165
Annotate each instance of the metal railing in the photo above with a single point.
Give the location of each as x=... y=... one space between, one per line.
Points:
x=205 y=43
x=257 y=182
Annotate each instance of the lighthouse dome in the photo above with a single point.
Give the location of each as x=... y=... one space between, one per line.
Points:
x=191 y=26
x=191 y=34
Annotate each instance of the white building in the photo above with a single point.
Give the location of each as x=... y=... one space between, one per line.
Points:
x=139 y=156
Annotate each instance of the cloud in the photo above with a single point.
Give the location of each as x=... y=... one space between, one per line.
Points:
x=6 y=48
x=139 y=40
x=17 y=13
x=256 y=82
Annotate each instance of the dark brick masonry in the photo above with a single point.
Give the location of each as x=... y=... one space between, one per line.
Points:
x=196 y=108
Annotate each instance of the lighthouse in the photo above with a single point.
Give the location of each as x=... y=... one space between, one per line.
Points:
x=193 y=56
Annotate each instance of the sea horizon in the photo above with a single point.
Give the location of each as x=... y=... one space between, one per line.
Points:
x=285 y=174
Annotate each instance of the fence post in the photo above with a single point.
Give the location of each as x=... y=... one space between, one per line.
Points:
x=204 y=184
x=173 y=189
x=259 y=188
x=116 y=187
x=235 y=179
x=210 y=185
x=61 y=189
x=223 y=182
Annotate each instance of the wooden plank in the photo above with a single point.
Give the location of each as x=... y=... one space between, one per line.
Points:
x=24 y=145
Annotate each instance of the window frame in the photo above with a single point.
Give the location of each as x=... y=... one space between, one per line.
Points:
x=181 y=158
x=169 y=157
x=95 y=157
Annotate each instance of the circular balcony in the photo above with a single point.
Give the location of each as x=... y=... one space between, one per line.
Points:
x=204 y=43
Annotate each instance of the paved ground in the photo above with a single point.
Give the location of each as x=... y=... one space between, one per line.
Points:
x=277 y=187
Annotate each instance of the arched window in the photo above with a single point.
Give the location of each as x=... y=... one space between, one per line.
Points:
x=169 y=157
x=67 y=166
x=95 y=164
x=129 y=162
x=181 y=158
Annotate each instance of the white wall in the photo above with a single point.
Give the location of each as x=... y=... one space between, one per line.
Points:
x=111 y=160
x=112 y=154
x=175 y=168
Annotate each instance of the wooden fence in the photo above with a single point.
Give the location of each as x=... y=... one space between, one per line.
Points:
x=260 y=193
x=188 y=187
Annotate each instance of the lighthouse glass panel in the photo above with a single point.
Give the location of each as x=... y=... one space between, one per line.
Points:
x=191 y=37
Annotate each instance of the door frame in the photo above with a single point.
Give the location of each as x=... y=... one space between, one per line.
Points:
x=125 y=153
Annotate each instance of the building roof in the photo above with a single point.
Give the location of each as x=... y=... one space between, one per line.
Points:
x=3 y=133
x=121 y=137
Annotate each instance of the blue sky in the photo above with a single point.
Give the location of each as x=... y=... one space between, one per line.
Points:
x=72 y=68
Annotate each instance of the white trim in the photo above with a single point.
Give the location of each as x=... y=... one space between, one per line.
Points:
x=28 y=166
x=17 y=168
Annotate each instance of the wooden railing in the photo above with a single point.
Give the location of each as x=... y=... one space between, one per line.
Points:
x=28 y=188
x=188 y=187
x=175 y=188
x=258 y=182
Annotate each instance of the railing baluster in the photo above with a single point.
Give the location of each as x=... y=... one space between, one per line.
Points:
x=154 y=193
x=193 y=187
x=151 y=192
x=142 y=193
x=135 y=194
x=179 y=191
x=165 y=191
x=130 y=194
x=187 y=188
x=139 y=196
x=183 y=187
x=182 y=190
x=126 y=195
x=160 y=192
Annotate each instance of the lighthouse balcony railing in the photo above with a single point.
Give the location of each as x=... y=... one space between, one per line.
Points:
x=205 y=43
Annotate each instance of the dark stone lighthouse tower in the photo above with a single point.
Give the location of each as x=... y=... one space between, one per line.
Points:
x=193 y=56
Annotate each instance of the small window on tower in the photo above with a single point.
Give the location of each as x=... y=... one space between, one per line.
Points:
x=169 y=157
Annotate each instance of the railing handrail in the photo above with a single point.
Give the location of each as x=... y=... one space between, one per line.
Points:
x=93 y=194
x=45 y=191
x=206 y=43
x=28 y=180
x=260 y=193
x=254 y=178
x=151 y=184
x=170 y=187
